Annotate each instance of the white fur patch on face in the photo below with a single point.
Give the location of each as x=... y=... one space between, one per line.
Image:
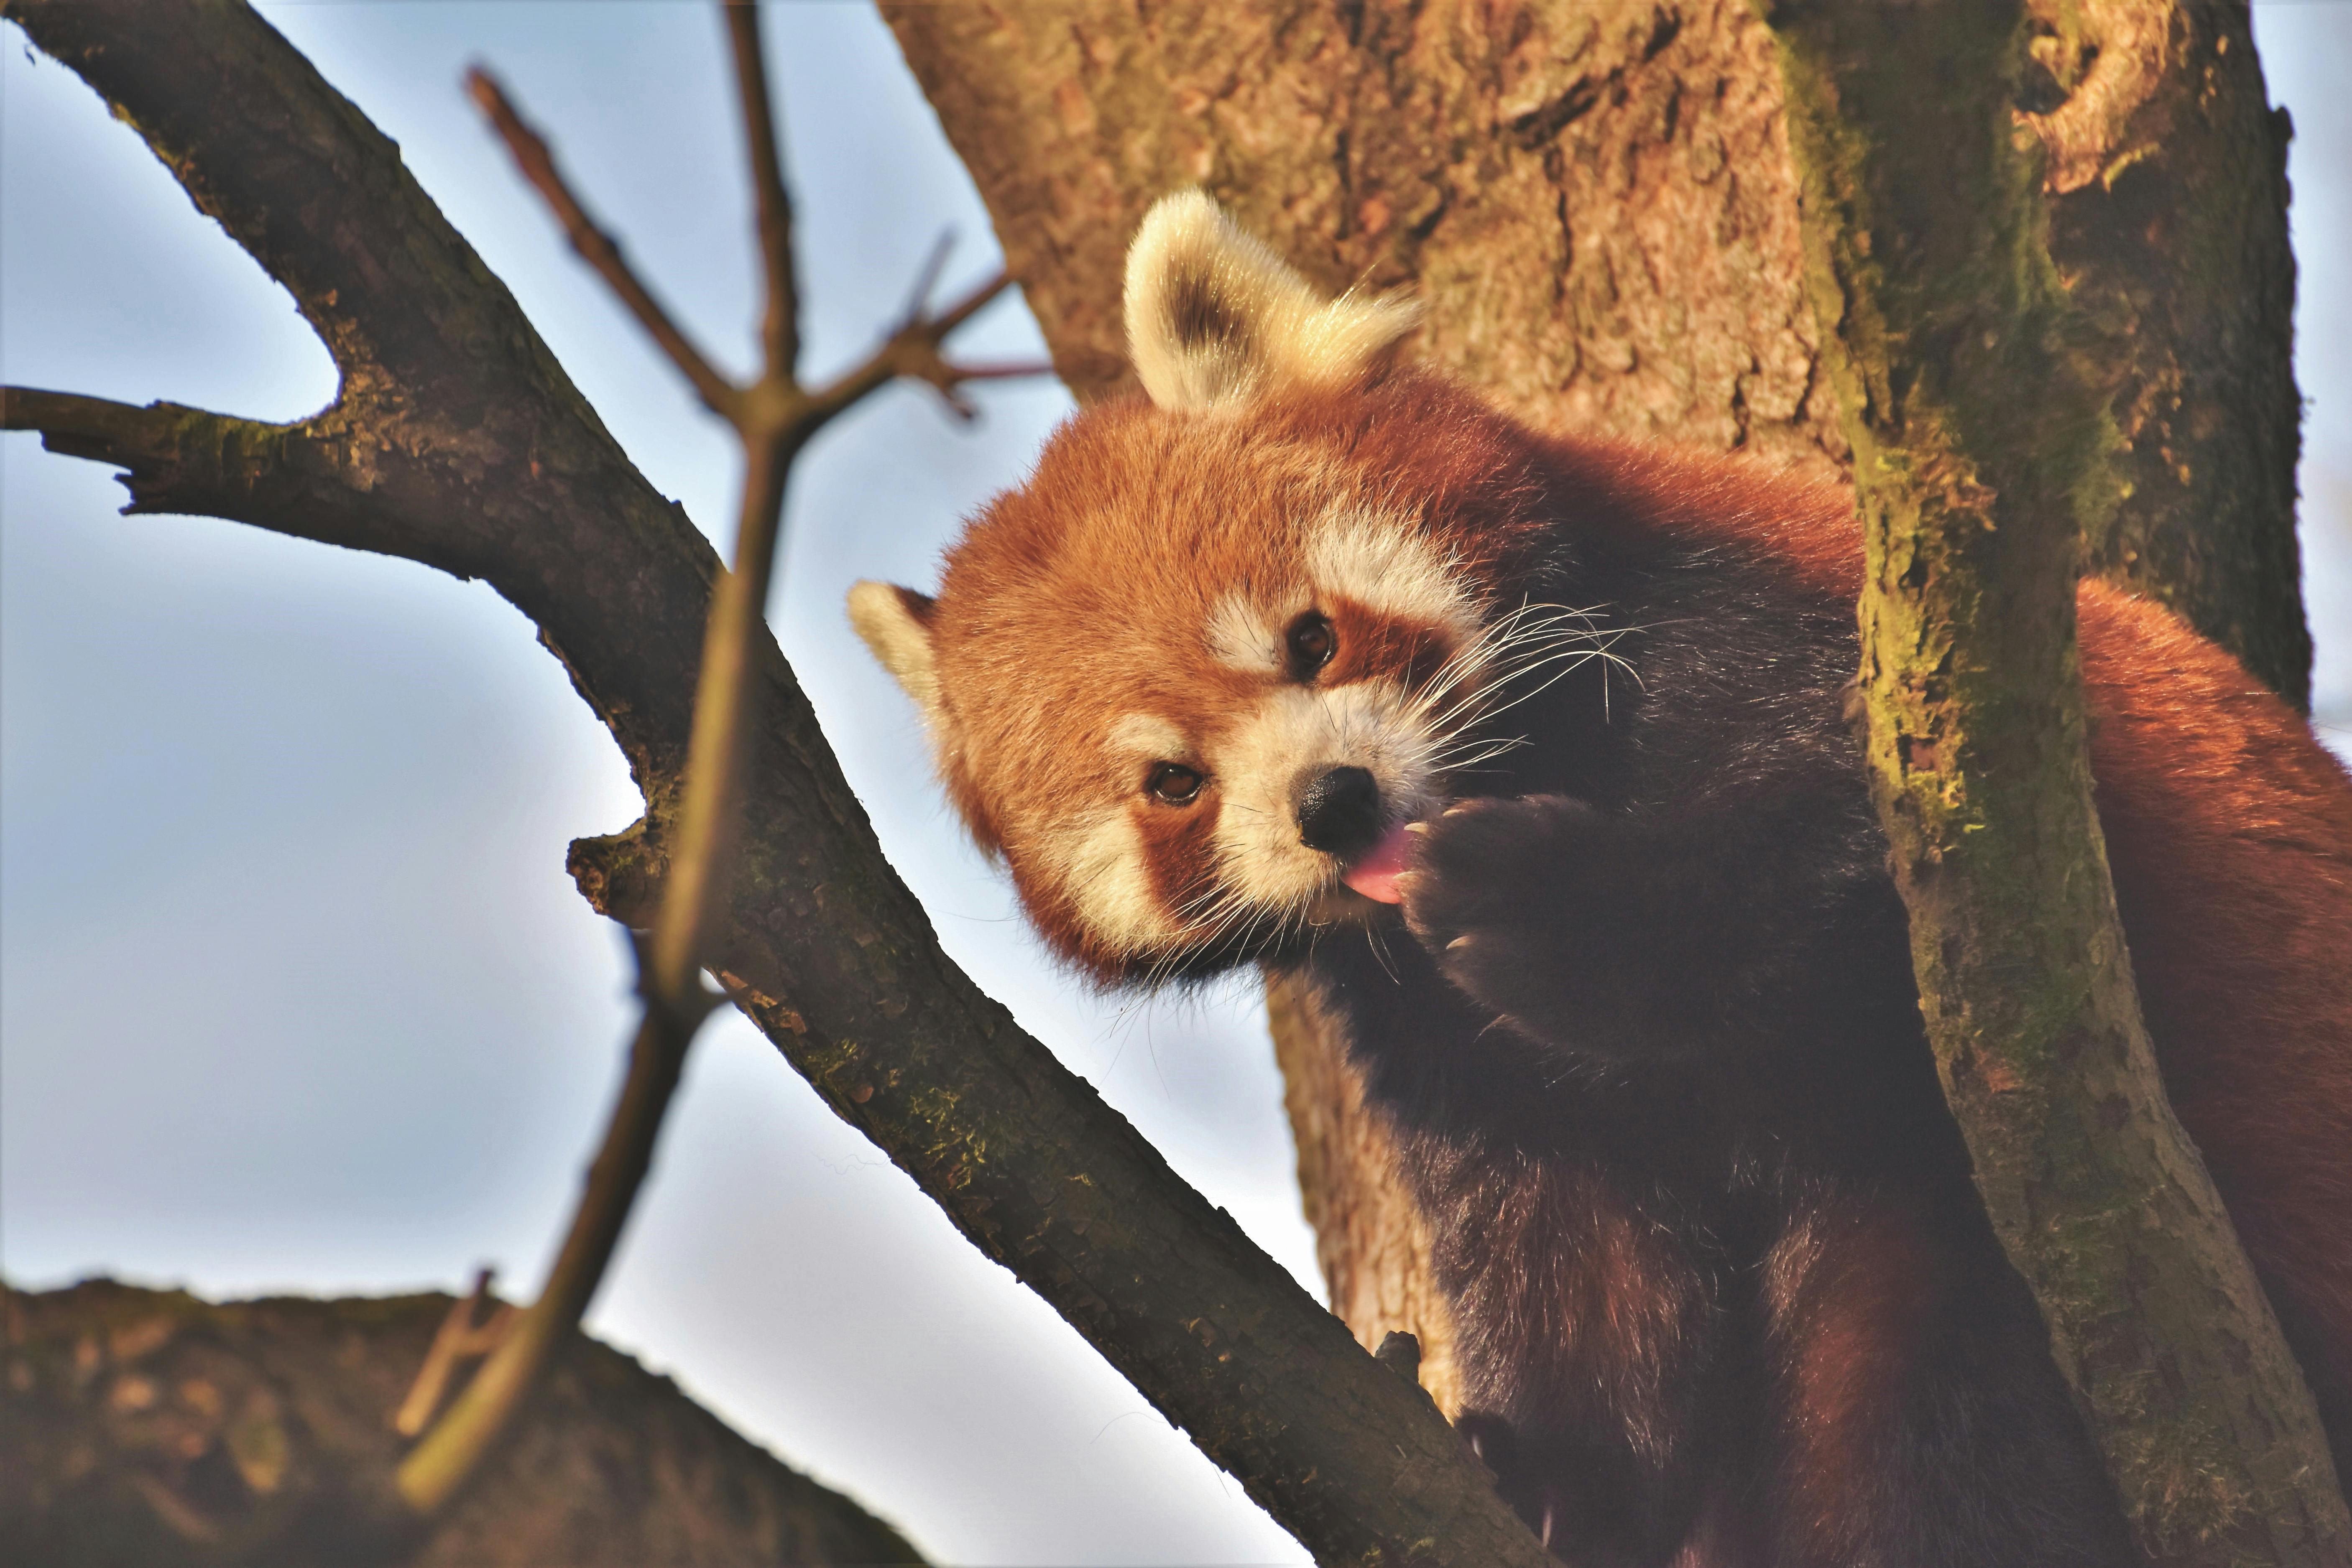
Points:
x=1145 y=736
x=1243 y=636
x=1100 y=862
x=1386 y=567
x=1295 y=733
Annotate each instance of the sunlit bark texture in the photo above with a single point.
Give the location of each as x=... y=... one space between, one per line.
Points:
x=147 y=1427
x=1598 y=206
x=1926 y=260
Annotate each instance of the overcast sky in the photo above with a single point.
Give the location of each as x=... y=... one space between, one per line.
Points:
x=294 y=993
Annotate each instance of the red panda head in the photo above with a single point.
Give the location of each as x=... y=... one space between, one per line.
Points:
x=1228 y=640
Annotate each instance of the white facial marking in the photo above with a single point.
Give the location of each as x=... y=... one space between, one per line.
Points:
x=1295 y=733
x=1383 y=565
x=1100 y=861
x=1145 y=736
x=1264 y=757
x=1242 y=635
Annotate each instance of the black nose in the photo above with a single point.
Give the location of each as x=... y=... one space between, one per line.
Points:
x=1339 y=811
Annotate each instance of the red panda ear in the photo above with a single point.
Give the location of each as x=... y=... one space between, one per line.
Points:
x=1215 y=319
x=896 y=625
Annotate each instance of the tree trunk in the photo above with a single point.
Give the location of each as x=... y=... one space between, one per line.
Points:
x=149 y=1428
x=1924 y=240
x=1598 y=207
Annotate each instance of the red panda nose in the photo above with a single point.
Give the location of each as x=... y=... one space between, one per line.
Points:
x=1339 y=811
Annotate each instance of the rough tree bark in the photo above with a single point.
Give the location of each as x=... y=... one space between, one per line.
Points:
x=1599 y=208
x=1928 y=268
x=456 y=441
x=145 y=1428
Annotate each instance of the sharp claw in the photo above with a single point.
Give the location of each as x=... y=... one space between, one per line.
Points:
x=1547 y=1526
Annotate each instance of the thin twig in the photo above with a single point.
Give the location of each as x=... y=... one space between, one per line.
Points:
x=913 y=350
x=596 y=247
x=963 y=310
x=1007 y=370
x=437 y=1470
x=780 y=334
x=774 y=416
x=919 y=296
x=458 y=1339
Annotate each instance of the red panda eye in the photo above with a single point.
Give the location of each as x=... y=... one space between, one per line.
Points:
x=1173 y=783
x=1312 y=643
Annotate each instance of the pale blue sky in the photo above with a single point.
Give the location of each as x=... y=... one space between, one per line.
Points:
x=294 y=993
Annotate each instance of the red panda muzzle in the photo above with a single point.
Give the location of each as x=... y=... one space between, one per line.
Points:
x=1339 y=811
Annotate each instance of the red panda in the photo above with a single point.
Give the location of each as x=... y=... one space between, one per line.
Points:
x=1527 y=753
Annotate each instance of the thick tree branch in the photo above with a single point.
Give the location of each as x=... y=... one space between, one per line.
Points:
x=293 y=479
x=2166 y=176
x=455 y=418
x=164 y=448
x=1925 y=238
x=147 y=1427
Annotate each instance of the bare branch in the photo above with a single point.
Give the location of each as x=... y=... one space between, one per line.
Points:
x=965 y=309
x=459 y=1339
x=780 y=329
x=482 y=451
x=914 y=351
x=439 y=1468
x=773 y=419
x=297 y=1387
x=596 y=247
x=1007 y=370
x=288 y=479
x=160 y=439
x=919 y=297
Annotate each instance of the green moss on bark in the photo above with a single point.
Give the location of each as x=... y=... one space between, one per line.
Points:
x=1977 y=404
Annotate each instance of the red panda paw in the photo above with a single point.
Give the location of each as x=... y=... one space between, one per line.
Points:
x=1483 y=887
x=1542 y=1489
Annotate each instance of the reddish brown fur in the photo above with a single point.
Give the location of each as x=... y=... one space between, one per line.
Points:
x=1097 y=576
x=2228 y=827
x=1848 y=1297
x=2228 y=833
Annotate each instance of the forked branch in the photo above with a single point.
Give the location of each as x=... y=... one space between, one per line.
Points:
x=774 y=416
x=599 y=249
x=457 y=440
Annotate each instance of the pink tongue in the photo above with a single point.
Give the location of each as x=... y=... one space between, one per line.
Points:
x=1376 y=871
